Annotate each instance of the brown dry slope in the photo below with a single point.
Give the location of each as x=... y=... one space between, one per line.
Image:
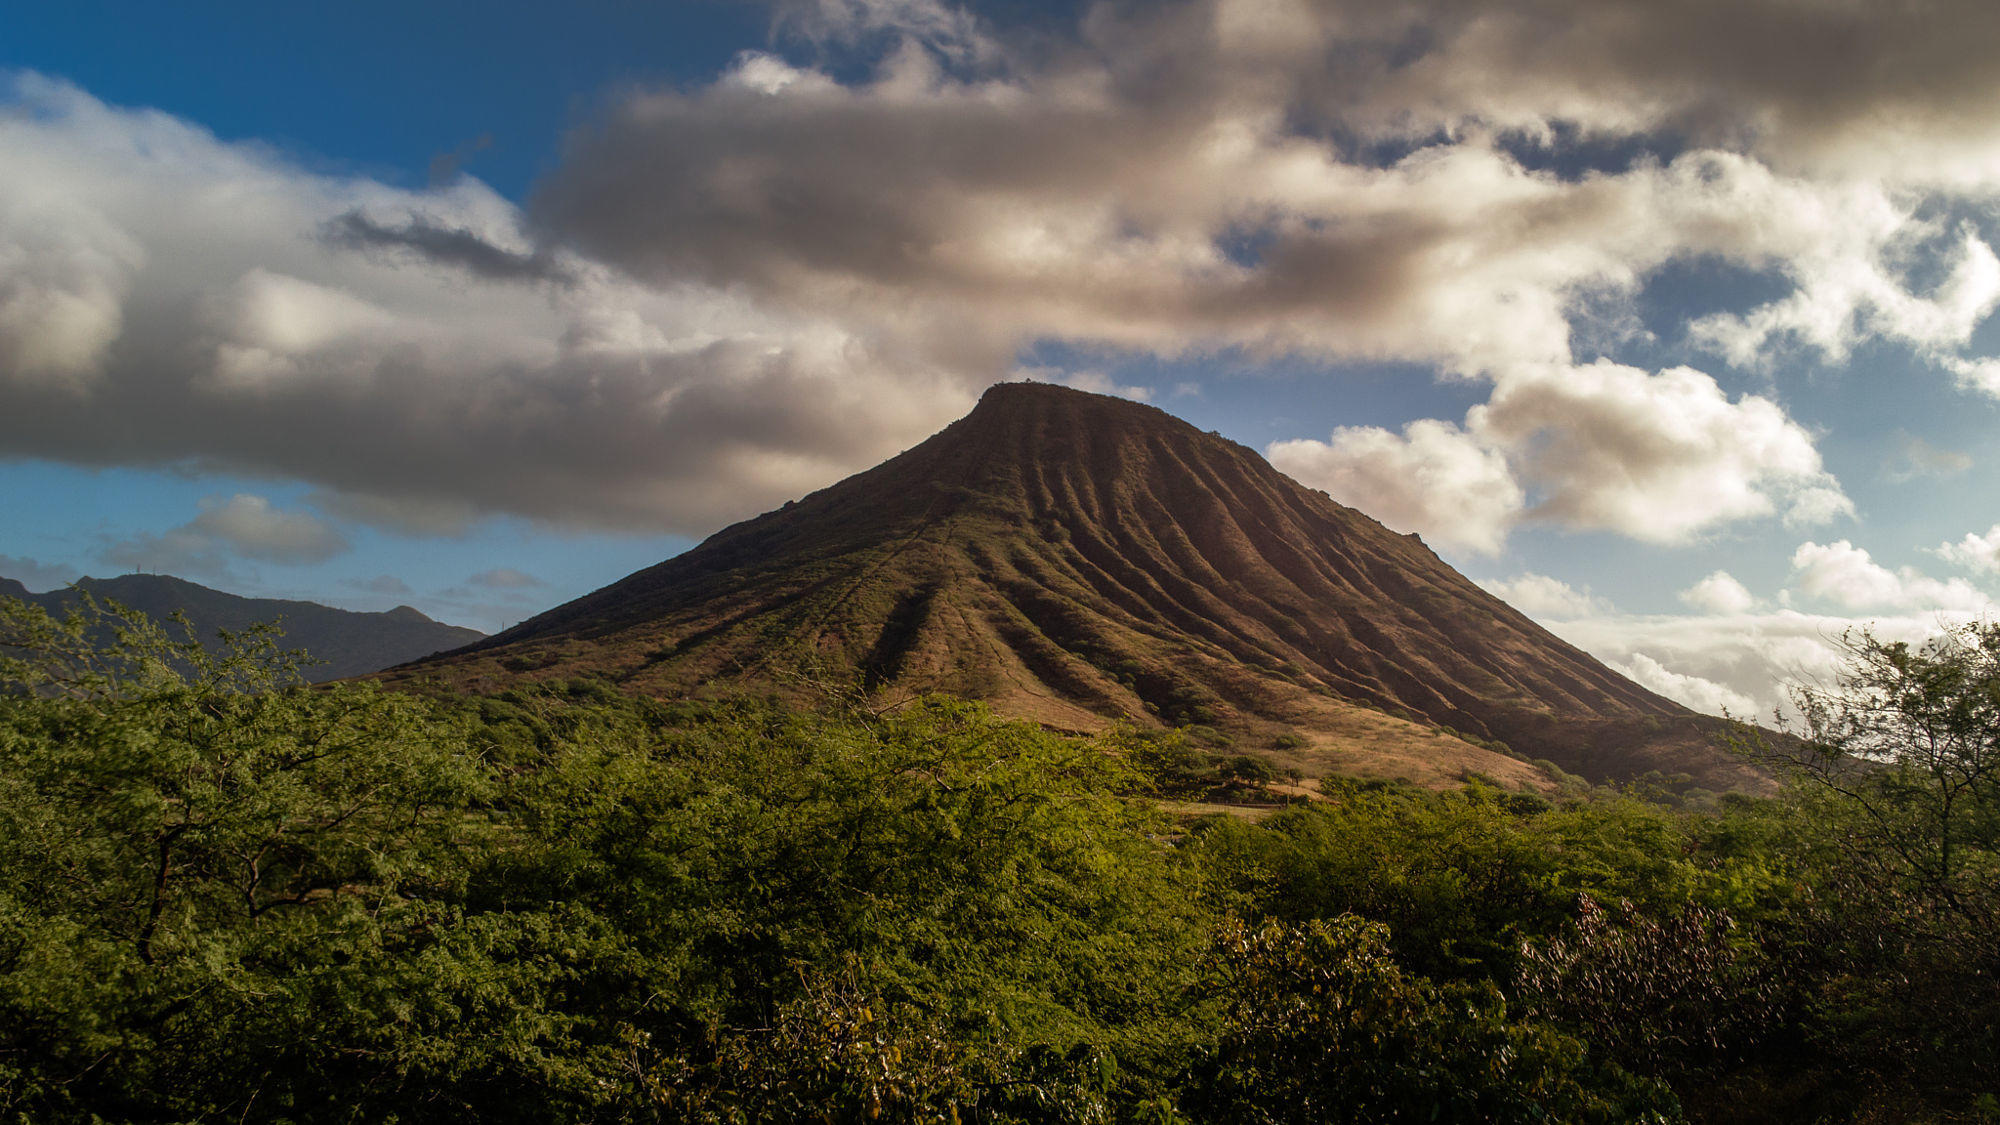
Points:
x=1073 y=559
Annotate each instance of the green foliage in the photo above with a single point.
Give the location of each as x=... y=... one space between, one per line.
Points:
x=984 y=873
x=1910 y=741
x=1170 y=764
x=1897 y=811
x=1462 y=877
x=836 y=1052
x=1661 y=995
x=182 y=835
x=227 y=896
x=1322 y=1024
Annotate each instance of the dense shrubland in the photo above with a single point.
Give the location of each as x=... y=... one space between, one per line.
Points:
x=226 y=896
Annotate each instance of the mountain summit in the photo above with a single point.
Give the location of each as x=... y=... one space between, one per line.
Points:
x=1077 y=559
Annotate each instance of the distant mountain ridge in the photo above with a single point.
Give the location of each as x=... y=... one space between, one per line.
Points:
x=1077 y=559
x=350 y=643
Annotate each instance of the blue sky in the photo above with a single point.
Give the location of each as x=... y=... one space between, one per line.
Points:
x=382 y=89
x=1673 y=325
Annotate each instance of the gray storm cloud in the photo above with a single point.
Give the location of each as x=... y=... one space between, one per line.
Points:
x=1828 y=86
x=727 y=294
x=400 y=366
x=451 y=247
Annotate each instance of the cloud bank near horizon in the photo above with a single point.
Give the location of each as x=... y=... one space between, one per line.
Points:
x=1742 y=654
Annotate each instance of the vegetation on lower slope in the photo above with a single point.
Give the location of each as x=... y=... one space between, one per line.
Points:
x=227 y=896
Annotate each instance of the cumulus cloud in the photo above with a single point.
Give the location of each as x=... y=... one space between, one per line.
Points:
x=1852 y=284
x=1096 y=382
x=1833 y=88
x=731 y=292
x=218 y=326
x=1979 y=374
x=1975 y=552
x=1433 y=478
x=1660 y=457
x=1688 y=691
x=1733 y=650
x=1845 y=575
x=1541 y=596
x=65 y=269
x=1719 y=593
x=1058 y=204
x=243 y=526
x=252 y=527
x=1756 y=656
x=1157 y=184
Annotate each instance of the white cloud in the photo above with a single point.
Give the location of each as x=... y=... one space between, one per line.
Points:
x=1433 y=479
x=64 y=273
x=1702 y=695
x=1659 y=457
x=1757 y=656
x=1050 y=206
x=1731 y=652
x=1545 y=598
x=1980 y=375
x=1845 y=575
x=1849 y=269
x=1103 y=190
x=1096 y=382
x=1719 y=593
x=1974 y=552
x=1816 y=505
x=730 y=293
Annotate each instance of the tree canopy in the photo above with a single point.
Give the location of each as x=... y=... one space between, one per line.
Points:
x=226 y=895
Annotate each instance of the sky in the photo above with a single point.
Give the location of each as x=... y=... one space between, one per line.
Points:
x=1671 y=323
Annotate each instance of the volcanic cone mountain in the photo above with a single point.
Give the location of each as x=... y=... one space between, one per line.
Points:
x=1076 y=559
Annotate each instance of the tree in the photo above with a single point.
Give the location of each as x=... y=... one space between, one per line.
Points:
x=1907 y=745
x=1668 y=996
x=1898 y=774
x=1321 y=1024
x=190 y=844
